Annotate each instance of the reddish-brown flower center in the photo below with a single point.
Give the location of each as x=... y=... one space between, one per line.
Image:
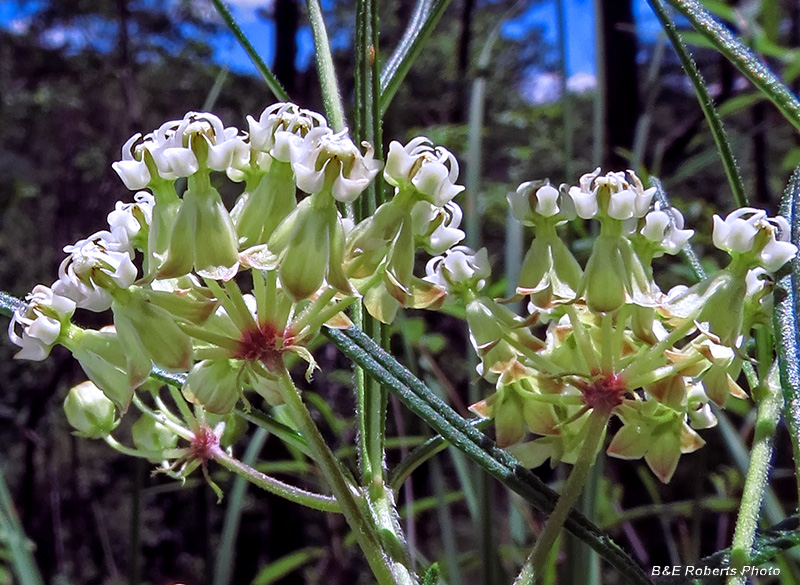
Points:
x=604 y=393
x=264 y=344
x=203 y=444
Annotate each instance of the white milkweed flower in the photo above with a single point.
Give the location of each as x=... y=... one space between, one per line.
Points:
x=95 y=258
x=41 y=320
x=432 y=171
x=750 y=231
x=327 y=159
x=460 y=266
x=279 y=126
x=127 y=220
x=437 y=227
x=618 y=195
x=665 y=228
x=535 y=198
x=172 y=152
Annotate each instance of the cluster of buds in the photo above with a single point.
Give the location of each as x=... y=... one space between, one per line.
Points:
x=224 y=296
x=603 y=339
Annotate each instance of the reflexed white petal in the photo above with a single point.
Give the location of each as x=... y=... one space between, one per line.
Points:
x=134 y=174
x=621 y=205
x=775 y=254
x=585 y=203
x=547 y=201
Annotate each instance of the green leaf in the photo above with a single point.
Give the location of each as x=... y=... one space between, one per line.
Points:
x=276 y=570
x=431 y=576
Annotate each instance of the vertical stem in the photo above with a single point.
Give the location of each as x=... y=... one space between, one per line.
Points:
x=327 y=74
x=770 y=402
x=351 y=501
x=569 y=495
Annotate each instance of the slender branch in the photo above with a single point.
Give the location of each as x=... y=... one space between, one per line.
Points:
x=275 y=486
x=269 y=77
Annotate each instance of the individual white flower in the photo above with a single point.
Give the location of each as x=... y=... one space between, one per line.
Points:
x=437 y=227
x=749 y=230
x=583 y=197
x=41 y=320
x=432 y=171
x=324 y=158
x=537 y=198
x=277 y=124
x=94 y=258
x=132 y=169
x=626 y=196
x=665 y=228
x=127 y=220
x=460 y=266
x=699 y=410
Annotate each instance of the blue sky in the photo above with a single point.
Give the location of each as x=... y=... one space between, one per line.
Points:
x=579 y=18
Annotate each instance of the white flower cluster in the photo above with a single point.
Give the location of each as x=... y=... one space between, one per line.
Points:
x=432 y=171
x=459 y=267
x=40 y=320
x=665 y=228
x=617 y=195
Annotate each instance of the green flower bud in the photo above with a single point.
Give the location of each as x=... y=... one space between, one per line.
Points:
x=214 y=385
x=309 y=248
x=147 y=329
x=235 y=427
x=203 y=237
x=89 y=411
x=259 y=211
x=116 y=372
x=549 y=271
x=150 y=435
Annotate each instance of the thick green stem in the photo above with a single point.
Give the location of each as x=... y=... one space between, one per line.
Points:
x=569 y=495
x=351 y=501
x=275 y=486
x=770 y=403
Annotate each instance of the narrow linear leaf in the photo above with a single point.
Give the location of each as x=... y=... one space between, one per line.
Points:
x=277 y=570
x=787 y=325
x=741 y=57
x=269 y=77
x=706 y=102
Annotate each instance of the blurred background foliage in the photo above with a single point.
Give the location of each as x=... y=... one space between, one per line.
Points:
x=78 y=77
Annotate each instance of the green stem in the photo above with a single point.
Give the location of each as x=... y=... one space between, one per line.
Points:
x=327 y=74
x=269 y=77
x=353 y=509
x=770 y=402
x=275 y=486
x=569 y=495
x=18 y=548
x=741 y=57
x=706 y=102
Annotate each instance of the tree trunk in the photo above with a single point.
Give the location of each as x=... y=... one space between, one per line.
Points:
x=620 y=87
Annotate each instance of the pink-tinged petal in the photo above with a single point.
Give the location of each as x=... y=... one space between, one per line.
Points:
x=630 y=442
x=663 y=455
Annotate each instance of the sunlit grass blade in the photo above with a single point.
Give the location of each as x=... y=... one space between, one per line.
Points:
x=706 y=102
x=787 y=323
x=475 y=445
x=424 y=19
x=741 y=57
x=269 y=77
